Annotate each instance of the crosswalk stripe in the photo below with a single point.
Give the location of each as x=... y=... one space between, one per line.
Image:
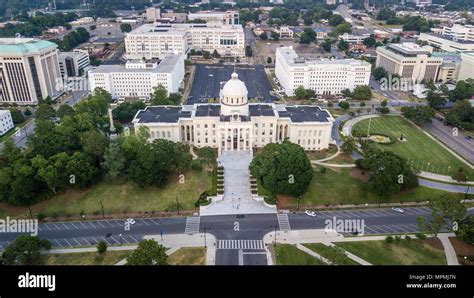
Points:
x=192 y=225
x=241 y=244
x=283 y=222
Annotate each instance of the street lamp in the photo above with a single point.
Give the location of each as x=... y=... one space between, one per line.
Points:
x=205 y=240
x=120 y=236
x=177 y=205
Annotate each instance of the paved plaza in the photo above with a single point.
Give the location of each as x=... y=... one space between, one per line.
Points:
x=237 y=197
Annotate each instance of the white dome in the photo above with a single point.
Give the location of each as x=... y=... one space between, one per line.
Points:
x=234 y=87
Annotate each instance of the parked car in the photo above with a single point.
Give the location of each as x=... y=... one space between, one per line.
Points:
x=310 y=213
x=399 y=210
x=467 y=137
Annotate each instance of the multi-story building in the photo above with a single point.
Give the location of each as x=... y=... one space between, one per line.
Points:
x=29 y=70
x=467 y=66
x=350 y=38
x=422 y=2
x=74 y=64
x=449 y=69
x=324 y=76
x=458 y=38
x=156 y=40
x=409 y=60
x=223 y=17
x=6 y=122
x=331 y=2
x=153 y=14
x=137 y=79
x=285 y=32
x=236 y=125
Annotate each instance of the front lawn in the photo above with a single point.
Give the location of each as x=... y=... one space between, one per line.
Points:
x=287 y=254
x=123 y=197
x=328 y=253
x=414 y=252
x=422 y=151
x=188 y=256
x=87 y=258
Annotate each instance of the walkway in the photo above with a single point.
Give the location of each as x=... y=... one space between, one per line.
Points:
x=451 y=257
x=237 y=198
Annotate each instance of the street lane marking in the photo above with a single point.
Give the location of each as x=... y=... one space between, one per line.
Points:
x=67 y=242
x=83 y=225
x=156 y=223
x=74 y=226
x=390 y=227
x=86 y=241
x=67 y=228
x=95 y=240
x=241 y=244
x=241 y=258
x=77 y=241
x=370 y=230
x=91 y=224
x=100 y=224
x=57 y=242
x=103 y=238
x=109 y=224
x=133 y=238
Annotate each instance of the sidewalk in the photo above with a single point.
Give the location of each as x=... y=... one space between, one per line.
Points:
x=443 y=178
x=451 y=257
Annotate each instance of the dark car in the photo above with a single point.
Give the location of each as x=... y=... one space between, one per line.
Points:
x=467 y=137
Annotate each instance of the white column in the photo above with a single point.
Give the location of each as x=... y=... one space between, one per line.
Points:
x=232 y=139
x=226 y=132
x=238 y=139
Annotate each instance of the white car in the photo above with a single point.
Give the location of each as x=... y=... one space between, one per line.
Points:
x=399 y=210
x=131 y=221
x=310 y=213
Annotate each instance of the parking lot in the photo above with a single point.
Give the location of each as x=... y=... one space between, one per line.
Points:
x=208 y=79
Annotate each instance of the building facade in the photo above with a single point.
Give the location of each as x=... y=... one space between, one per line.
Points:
x=74 y=64
x=409 y=61
x=156 y=40
x=324 y=76
x=137 y=79
x=234 y=124
x=29 y=70
x=223 y=17
x=447 y=43
x=6 y=122
x=467 y=66
x=153 y=14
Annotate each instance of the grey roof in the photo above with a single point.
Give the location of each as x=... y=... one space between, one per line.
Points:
x=165 y=66
x=165 y=114
x=449 y=37
x=304 y=113
x=261 y=110
x=208 y=110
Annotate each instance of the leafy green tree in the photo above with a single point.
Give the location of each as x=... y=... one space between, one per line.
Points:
x=349 y=145
x=336 y=19
x=283 y=168
x=341 y=29
x=94 y=143
x=419 y=114
x=362 y=92
x=275 y=36
x=344 y=105
x=301 y=93
x=127 y=110
x=308 y=36
x=115 y=161
x=465 y=230
x=101 y=247
x=269 y=60
x=343 y=45
x=64 y=110
x=160 y=96
x=445 y=210
x=148 y=252
x=326 y=45
x=45 y=112
x=206 y=155
x=25 y=250
x=17 y=116
x=369 y=41
x=346 y=93
x=125 y=27
x=379 y=72
x=52 y=171
x=82 y=169
x=263 y=36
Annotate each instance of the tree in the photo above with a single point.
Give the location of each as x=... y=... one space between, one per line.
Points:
x=275 y=36
x=215 y=54
x=45 y=112
x=344 y=105
x=300 y=93
x=101 y=247
x=336 y=19
x=206 y=155
x=17 y=116
x=383 y=103
x=308 y=21
x=80 y=169
x=160 y=96
x=115 y=161
x=283 y=168
x=94 y=143
x=127 y=110
x=263 y=36
x=308 y=36
x=125 y=27
x=326 y=45
x=465 y=230
x=341 y=29
x=445 y=210
x=64 y=110
x=419 y=114
x=362 y=92
x=349 y=145
x=148 y=252
x=269 y=60
x=25 y=250
x=379 y=72
x=346 y=93
x=369 y=41
x=248 y=51
x=52 y=171
x=460 y=176
x=343 y=45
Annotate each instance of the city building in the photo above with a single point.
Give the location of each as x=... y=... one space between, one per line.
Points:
x=138 y=78
x=153 y=14
x=6 y=122
x=351 y=38
x=467 y=66
x=331 y=2
x=324 y=76
x=285 y=32
x=409 y=60
x=422 y=2
x=449 y=69
x=458 y=38
x=321 y=33
x=156 y=40
x=82 y=21
x=74 y=64
x=234 y=124
x=224 y=17
x=29 y=70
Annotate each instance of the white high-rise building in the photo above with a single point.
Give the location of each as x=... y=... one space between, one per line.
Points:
x=224 y=17
x=73 y=64
x=6 y=121
x=237 y=125
x=467 y=66
x=137 y=79
x=29 y=70
x=409 y=60
x=153 y=14
x=156 y=40
x=458 y=38
x=324 y=76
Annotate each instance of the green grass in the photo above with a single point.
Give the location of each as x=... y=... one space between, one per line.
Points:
x=326 y=252
x=87 y=258
x=415 y=252
x=188 y=256
x=336 y=186
x=121 y=198
x=418 y=148
x=287 y=254
x=316 y=155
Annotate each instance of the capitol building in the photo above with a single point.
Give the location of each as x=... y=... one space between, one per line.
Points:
x=237 y=125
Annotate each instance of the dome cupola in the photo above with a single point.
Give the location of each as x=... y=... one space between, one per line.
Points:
x=233 y=97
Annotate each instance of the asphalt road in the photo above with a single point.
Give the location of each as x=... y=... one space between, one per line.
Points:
x=457 y=143
x=235 y=246
x=208 y=79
